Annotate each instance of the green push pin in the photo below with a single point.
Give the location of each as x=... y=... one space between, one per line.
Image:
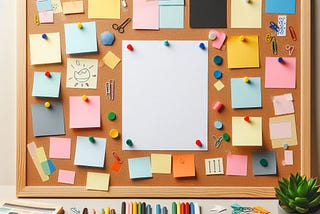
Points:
x=225 y=136
x=111 y=116
x=264 y=162
x=129 y=142
x=91 y=139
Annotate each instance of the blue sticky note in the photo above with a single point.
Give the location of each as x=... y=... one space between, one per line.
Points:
x=269 y=157
x=82 y=40
x=90 y=153
x=281 y=6
x=44 y=86
x=139 y=167
x=44 y=5
x=246 y=95
x=171 y=13
x=52 y=167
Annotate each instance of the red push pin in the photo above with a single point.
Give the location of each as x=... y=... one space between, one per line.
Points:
x=246 y=118
x=130 y=47
x=47 y=73
x=198 y=143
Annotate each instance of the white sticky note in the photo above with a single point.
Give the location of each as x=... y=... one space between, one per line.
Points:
x=282 y=24
x=280 y=130
x=288 y=157
x=214 y=166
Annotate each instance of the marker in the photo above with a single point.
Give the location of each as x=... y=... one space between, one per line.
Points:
x=158 y=209
x=187 y=210
x=178 y=208
x=123 y=207
x=112 y=211
x=129 y=208
x=174 y=208
x=92 y=211
x=182 y=208
x=143 y=208
x=85 y=211
x=139 y=208
x=191 y=208
x=164 y=210
x=107 y=210
x=196 y=208
x=149 y=209
x=134 y=208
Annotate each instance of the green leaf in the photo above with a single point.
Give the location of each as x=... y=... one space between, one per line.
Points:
x=302 y=189
x=301 y=200
x=312 y=183
x=314 y=202
x=301 y=209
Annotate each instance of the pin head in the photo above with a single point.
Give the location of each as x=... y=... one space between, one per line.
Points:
x=246 y=118
x=217 y=59
x=212 y=36
x=280 y=59
x=79 y=25
x=129 y=142
x=263 y=162
x=44 y=36
x=226 y=136
x=202 y=46
x=242 y=38
x=47 y=104
x=91 y=139
x=130 y=47
x=217 y=74
x=246 y=79
x=84 y=97
x=199 y=143
x=47 y=74
x=111 y=116
x=166 y=43
x=114 y=133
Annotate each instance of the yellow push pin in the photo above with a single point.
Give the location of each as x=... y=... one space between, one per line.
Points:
x=79 y=25
x=242 y=38
x=47 y=104
x=84 y=98
x=246 y=79
x=114 y=133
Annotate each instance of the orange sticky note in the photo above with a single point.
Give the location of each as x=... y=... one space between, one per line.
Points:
x=183 y=166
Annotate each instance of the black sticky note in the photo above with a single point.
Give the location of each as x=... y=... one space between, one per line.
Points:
x=208 y=13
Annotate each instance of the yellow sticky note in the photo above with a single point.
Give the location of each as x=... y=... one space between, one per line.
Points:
x=243 y=51
x=41 y=154
x=45 y=51
x=219 y=85
x=73 y=7
x=111 y=60
x=161 y=163
x=104 y=9
x=246 y=133
x=278 y=143
x=98 y=181
x=246 y=14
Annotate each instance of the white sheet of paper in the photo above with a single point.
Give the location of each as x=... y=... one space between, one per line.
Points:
x=164 y=95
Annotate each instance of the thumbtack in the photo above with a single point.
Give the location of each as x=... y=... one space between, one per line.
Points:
x=198 y=143
x=130 y=47
x=225 y=136
x=217 y=74
x=280 y=59
x=47 y=74
x=212 y=36
x=91 y=139
x=246 y=79
x=129 y=142
x=47 y=104
x=202 y=46
x=217 y=106
x=246 y=1
x=79 y=25
x=264 y=162
x=217 y=59
x=111 y=116
x=246 y=118
x=114 y=133
x=218 y=124
x=285 y=146
x=84 y=98
x=166 y=43
x=242 y=38
x=44 y=36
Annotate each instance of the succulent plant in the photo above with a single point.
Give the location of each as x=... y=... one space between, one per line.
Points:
x=298 y=194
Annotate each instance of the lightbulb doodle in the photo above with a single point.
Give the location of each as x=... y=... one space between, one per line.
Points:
x=82 y=73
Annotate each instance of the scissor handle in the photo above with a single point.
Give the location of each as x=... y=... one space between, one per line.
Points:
x=115 y=26
x=121 y=29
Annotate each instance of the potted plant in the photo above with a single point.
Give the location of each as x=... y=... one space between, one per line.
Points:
x=298 y=195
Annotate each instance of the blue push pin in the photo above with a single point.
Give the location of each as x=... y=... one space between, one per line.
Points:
x=217 y=74
x=44 y=36
x=280 y=59
x=166 y=43
x=217 y=60
x=218 y=124
x=202 y=46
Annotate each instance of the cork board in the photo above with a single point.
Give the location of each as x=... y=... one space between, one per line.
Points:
x=29 y=183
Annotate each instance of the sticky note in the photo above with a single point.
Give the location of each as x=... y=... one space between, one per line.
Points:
x=73 y=7
x=282 y=24
x=32 y=149
x=44 y=5
x=145 y=15
x=280 y=75
x=111 y=60
x=246 y=14
x=90 y=154
x=66 y=176
x=219 y=85
x=281 y=7
x=84 y=114
x=243 y=54
x=280 y=130
x=214 y=166
x=104 y=9
x=220 y=38
x=270 y=157
x=52 y=167
x=171 y=13
x=81 y=40
x=48 y=121
x=278 y=143
x=41 y=154
x=46 y=17
x=161 y=163
x=246 y=95
x=139 y=167
x=98 y=181
x=60 y=148
x=44 y=86
x=45 y=167
x=237 y=165
x=183 y=166
x=288 y=157
x=82 y=73
x=56 y=6
x=283 y=104
x=45 y=51
x=246 y=133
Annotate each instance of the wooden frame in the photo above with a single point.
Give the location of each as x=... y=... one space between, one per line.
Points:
x=23 y=190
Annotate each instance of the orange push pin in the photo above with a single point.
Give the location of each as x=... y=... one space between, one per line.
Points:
x=84 y=98
x=47 y=104
x=114 y=133
x=246 y=118
x=79 y=25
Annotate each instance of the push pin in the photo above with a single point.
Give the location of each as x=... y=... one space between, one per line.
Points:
x=280 y=59
x=242 y=38
x=166 y=43
x=47 y=104
x=114 y=133
x=130 y=47
x=217 y=106
x=91 y=139
x=129 y=142
x=247 y=1
x=198 y=143
x=212 y=36
x=218 y=124
x=264 y=162
x=47 y=74
x=202 y=46
x=285 y=146
x=44 y=36
x=84 y=98
x=217 y=74
x=226 y=136
x=111 y=116
x=79 y=25
x=246 y=79
x=246 y=118
x=217 y=59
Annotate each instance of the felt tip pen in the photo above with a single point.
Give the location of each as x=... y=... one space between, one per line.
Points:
x=164 y=210
x=112 y=211
x=139 y=207
x=149 y=211
x=196 y=208
x=174 y=208
x=158 y=209
x=143 y=208
x=134 y=208
x=129 y=208
x=187 y=209
x=178 y=208
x=107 y=210
x=191 y=208
x=182 y=208
x=123 y=207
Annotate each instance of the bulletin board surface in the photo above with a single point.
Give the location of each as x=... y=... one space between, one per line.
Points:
x=29 y=183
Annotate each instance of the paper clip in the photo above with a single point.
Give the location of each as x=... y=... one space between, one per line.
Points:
x=274 y=26
x=274 y=46
x=218 y=141
x=36 y=20
x=75 y=210
x=110 y=90
x=269 y=37
x=120 y=28
x=260 y=210
x=292 y=33
x=290 y=49
x=116 y=156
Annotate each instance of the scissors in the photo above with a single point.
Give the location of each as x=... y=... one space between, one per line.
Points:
x=120 y=28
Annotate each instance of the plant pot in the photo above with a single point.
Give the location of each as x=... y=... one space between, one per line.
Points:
x=282 y=211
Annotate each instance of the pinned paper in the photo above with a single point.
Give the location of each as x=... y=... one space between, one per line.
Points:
x=98 y=181
x=82 y=73
x=45 y=51
x=48 y=121
x=280 y=130
x=44 y=5
x=280 y=75
x=111 y=60
x=246 y=133
x=104 y=9
x=73 y=7
x=220 y=38
x=46 y=17
x=44 y=86
x=145 y=15
x=246 y=95
x=90 y=154
x=171 y=13
x=271 y=164
x=214 y=166
x=278 y=143
x=283 y=104
x=60 y=148
x=81 y=40
x=237 y=165
x=243 y=54
x=219 y=85
x=281 y=7
x=84 y=114
x=246 y=14
x=161 y=163
x=56 y=6
x=66 y=176
x=183 y=166
x=288 y=157
x=139 y=167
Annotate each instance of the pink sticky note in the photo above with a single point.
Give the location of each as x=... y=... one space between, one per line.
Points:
x=283 y=104
x=84 y=114
x=280 y=130
x=220 y=38
x=288 y=157
x=46 y=16
x=60 y=148
x=280 y=74
x=237 y=165
x=66 y=176
x=145 y=14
